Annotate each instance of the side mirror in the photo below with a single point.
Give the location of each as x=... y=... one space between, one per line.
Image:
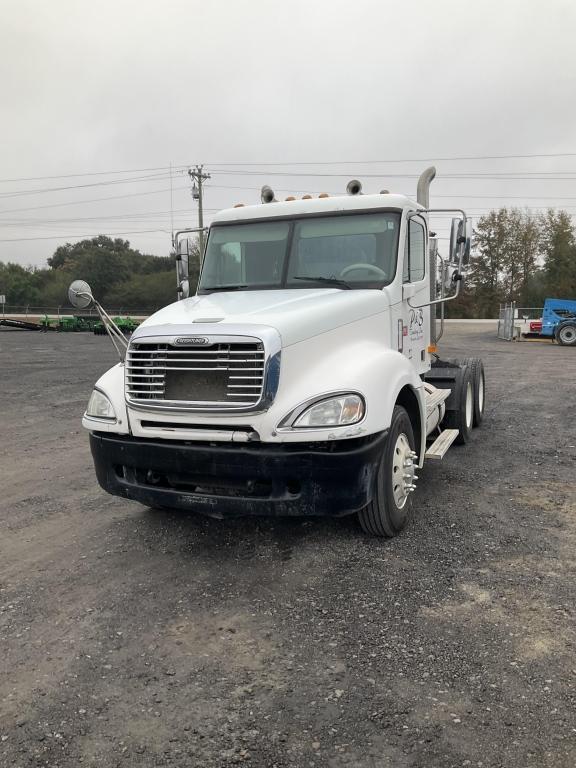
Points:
x=185 y=255
x=455 y=235
x=182 y=264
x=183 y=289
x=460 y=242
x=80 y=294
x=467 y=243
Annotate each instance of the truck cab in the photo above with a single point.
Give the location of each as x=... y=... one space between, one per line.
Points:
x=301 y=378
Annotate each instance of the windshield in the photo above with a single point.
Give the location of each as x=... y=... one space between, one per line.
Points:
x=345 y=250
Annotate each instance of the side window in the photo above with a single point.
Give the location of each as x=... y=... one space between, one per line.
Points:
x=414 y=253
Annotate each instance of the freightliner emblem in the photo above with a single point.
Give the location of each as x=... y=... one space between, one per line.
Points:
x=192 y=340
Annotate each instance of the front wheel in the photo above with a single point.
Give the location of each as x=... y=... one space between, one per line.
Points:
x=387 y=513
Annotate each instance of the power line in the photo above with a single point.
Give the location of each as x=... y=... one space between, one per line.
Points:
x=92 y=173
x=432 y=194
x=430 y=158
x=184 y=166
x=63 y=237
x=93 y=200
x=132 y=180
x=492 y=175
x=134 y=215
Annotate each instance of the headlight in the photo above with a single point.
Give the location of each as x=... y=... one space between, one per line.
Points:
x=332 y=412
x=99 y=407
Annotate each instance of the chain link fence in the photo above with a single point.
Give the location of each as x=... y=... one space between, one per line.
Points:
x=506 y=319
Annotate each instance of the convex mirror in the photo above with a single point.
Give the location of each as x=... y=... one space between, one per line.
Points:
x=80 y=294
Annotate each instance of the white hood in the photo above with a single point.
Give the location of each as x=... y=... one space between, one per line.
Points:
x=296 y=314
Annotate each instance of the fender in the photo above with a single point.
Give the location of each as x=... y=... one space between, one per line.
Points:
x=346 y=360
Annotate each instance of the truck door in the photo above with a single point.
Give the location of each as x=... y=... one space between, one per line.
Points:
x=413 y=324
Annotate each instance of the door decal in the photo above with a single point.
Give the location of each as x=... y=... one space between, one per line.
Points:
x=416 y=325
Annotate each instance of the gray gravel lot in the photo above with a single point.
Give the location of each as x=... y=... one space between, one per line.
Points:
x=136 y=638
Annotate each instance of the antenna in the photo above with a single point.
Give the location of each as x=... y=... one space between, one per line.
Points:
x=171 y=204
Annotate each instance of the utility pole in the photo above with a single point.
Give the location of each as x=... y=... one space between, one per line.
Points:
x=197 y=177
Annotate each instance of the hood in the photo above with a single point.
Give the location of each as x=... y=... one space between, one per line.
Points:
x=297 y=314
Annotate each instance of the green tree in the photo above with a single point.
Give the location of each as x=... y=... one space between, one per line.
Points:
x=559 y=246
x=148 y=291
x=485 y=270
x=19 y=285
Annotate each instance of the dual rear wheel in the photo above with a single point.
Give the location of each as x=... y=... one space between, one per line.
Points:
x=467 y=406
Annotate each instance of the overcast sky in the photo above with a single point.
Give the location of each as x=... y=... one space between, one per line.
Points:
x=136 y=85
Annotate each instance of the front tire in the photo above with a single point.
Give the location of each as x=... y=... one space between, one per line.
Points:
x=387 y=513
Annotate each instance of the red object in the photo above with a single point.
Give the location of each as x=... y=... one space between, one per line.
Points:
x=535 y=326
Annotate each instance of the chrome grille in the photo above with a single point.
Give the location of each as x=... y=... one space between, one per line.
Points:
x=223 y=375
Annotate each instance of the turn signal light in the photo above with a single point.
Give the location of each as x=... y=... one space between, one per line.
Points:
x=323 y=194
x=432 y=348
x=239 y=205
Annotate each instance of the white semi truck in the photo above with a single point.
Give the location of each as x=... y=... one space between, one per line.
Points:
x=302 y=378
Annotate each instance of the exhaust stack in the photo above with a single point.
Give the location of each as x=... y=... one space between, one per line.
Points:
x=423 y=189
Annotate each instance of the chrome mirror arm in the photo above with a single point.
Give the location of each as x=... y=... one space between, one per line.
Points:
x=457 y=279
x=116 y=336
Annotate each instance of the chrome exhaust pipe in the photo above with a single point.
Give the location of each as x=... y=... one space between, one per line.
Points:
x=423 y=189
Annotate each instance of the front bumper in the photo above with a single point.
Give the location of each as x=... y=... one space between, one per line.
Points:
x=228 y=480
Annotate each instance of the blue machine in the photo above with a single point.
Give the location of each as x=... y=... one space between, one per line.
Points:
x=559 y=320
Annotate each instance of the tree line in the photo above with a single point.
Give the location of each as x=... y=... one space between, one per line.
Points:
x=518 y=256
x=121 y=277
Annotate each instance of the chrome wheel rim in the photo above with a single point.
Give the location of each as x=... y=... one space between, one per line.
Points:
x=481 y=393
x=469 y=404
x=402 y=470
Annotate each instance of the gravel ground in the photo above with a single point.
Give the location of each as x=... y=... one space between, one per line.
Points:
x=136 y=638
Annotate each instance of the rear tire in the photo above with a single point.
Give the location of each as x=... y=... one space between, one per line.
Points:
x=462 y=418
x=388 y=511
x=565 y=334
x=479 y=381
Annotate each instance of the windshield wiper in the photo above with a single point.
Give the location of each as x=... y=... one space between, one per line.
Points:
x=222 y=287
x=329 y=280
